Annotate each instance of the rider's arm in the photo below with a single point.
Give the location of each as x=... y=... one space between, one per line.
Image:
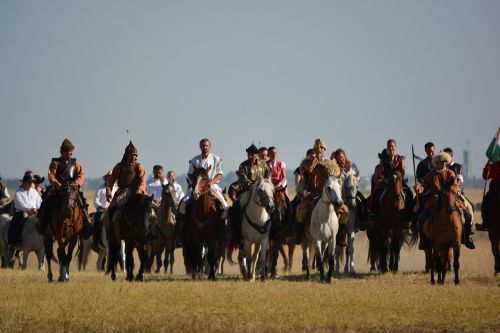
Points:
x=79 y=175
x=52 y=174
x=141 y=187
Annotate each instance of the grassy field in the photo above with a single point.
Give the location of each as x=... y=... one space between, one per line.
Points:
x=367 y=302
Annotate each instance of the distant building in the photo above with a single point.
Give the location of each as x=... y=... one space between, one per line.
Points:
x=467 y=171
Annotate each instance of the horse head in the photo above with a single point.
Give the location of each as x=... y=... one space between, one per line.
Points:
x=200 y=182
x=67 y=195
x=167 y=196
x=447 y=196
x=263 y=193
x=350 y=189
x=395 y=186
x=331 y=191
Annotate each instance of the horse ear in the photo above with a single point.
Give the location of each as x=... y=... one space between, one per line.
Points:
x=208 y=169
x=224 y=191
x=151 y=197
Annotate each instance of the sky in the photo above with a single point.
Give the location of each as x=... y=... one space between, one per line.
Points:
x=280 y=73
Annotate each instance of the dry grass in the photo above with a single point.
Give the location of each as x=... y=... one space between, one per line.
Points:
x=400 y=302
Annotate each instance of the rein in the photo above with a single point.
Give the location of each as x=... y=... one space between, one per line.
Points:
x=262 y=229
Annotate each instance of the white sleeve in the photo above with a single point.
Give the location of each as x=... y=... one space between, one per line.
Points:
x=218 y=166
x=6 y=193
x=96 y=199
x=38 y=200
x=21 y=202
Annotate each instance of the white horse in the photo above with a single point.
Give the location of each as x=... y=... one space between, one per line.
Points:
x=256 y=223
x=349 y=191
x=321 y=232
x=31 y=241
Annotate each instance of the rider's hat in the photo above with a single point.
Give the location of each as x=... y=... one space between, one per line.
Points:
x=252 y=149
x=28 y=178
x=67 y=146
x=130 y=149
x=318 y=143
x=107 y=174
x=38 y=180
x=383 y=155
x=442 y=156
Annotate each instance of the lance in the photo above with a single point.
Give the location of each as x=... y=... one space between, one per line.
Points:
x=415 y=174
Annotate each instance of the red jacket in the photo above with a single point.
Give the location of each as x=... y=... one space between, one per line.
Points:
x=492 y=171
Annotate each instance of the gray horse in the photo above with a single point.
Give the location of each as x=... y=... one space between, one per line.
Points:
x=31 y=240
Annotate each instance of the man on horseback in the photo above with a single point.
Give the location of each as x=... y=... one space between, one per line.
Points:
x=155 y=183
x=431 y=186
x=205 y=160
x=309 y=187
x=65 y=171
x=5 y=199
x=27 y=201
x=425 y=166
x=131 y=179
x=491 y=171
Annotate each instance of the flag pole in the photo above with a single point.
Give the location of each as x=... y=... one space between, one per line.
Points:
x=492 y=154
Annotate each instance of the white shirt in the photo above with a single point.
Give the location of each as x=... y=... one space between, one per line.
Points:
x=154 y=186
x=212 y=160
x=100 y=197
x=5 y=194
x=27 y=200
x=179 y=193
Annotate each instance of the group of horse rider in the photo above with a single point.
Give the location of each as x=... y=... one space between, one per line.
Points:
x=128 y=178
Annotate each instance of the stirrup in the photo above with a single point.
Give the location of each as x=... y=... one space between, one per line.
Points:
x=481 y=227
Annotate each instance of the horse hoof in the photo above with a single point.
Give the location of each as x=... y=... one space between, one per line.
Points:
x=433 y=282
x=457 y=282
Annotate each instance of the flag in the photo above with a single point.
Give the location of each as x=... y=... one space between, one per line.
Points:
x=493 y=151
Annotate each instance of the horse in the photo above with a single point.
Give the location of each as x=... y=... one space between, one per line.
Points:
x=31 y=241
x=202 y=225
x=166 y=227
x=134 y=221
x=349 y=194
x=321 y=232
x=444 y=231
x=280 y=232
x=387 y=234
x=255 y=226
x=64 y=226
x=494 y=231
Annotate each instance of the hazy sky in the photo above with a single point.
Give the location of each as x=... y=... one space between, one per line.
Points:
x=280 y=73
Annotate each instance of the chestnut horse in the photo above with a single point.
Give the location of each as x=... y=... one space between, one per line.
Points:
x=444 y=231
x=202 y=224
x=387 y=234
x=494 y=231
x=64 y=225
x=134 y=221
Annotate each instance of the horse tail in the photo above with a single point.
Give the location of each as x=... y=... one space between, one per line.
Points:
x=229 y=255
x=412 y=240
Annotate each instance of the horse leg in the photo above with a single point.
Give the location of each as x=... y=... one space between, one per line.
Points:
x=247 y=260
x=98 y=264
x=61 y=254
x=495 y=249
x=439 y=266
x=291 y=250
x=456 y=263
x=319 y=261
x=254 y=260
x=338 y=248
x=211 y=262
x=384 y=247
x=286 y=261
x=350 y=253
x=274 y=252
x=431 y=264
x=143 y=260
x=159 y=263
x=69 y=255
x=40 y=254
x=428 y=259
x=263 y=256
x=129 y=261
x=171 y=252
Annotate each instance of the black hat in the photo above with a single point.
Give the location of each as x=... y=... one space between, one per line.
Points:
x=28 y=179
x=383 y=155
x=252 y=149
x=38 y=179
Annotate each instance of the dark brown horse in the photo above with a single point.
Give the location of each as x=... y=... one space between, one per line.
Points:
x=445 y=234
x=134 y=221
x=387 y=235
x=494 y=231
x=281 y=233
x=65 y=224
x=202 y=224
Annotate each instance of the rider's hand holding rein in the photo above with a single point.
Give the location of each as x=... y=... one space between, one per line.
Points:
x=343 y=209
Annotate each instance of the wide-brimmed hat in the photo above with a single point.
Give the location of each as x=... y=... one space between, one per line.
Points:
x=28 y=179
x=38 y=180
x=441 y=157
x=252 y=149
x=383 y=154
x=66 y=146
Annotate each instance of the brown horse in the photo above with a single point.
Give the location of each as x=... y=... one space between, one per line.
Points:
x=65 y=224
x=387 y=235
x=494 y=231
x=134 y=221
x=203 y=223
x=281 y=233
x=445 y=234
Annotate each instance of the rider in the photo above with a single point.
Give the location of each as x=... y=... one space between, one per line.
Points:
x=5 y=199
x=455 y=167
x=27 y=201
x=179 y=193
x=155 y=183
x=65 y=171
x=130 y=177
x=248 y=172
x=391 y=162
x=206 y=159
x=425 y=166
x=432 y=184
x=491 y=171
x=309 y=187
